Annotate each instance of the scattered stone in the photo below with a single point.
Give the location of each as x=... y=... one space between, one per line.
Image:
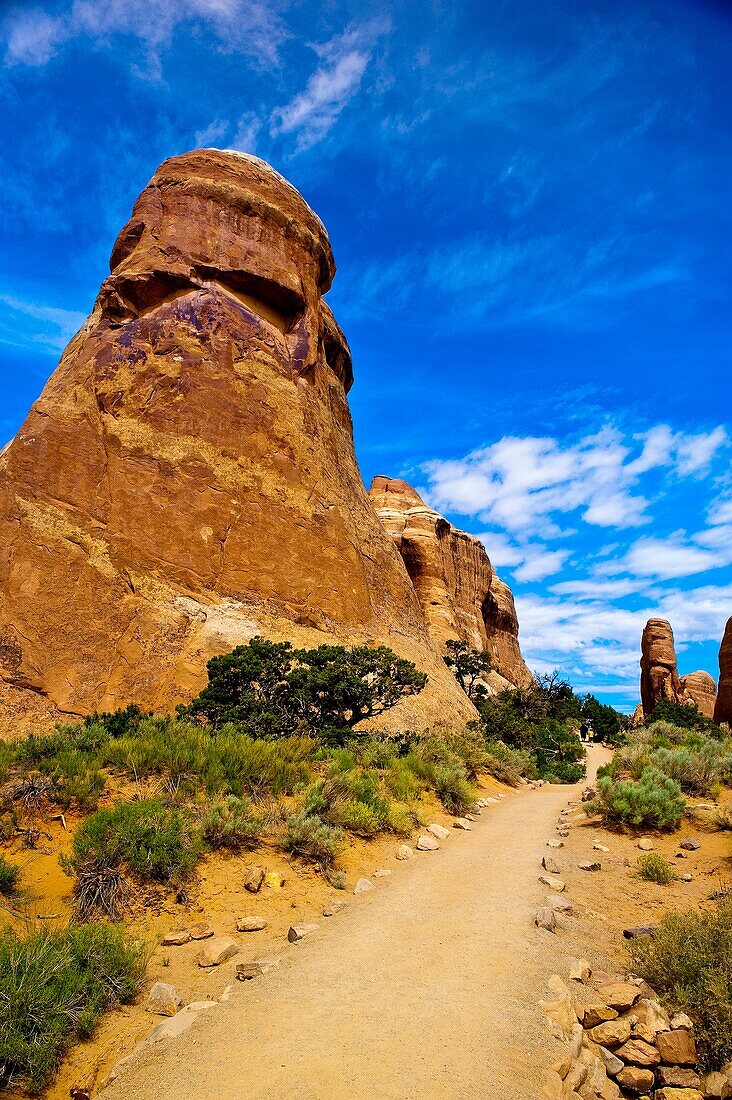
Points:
x=715 y=1086
x=217 y=951
x=492 y=801
x=298 y=932
x=612 y=1064
x=690 y=845
x=251 y=924
x=651 y=1015
x=546 y=918
x=601 y=848
x=590 y=865
x=555 y=843
x=469 y=817
x=253 y=879
x=677 y=1077
x=611 y=1034
x=201 y=931
x=595 y=1014
x=177 y=939
x=677 y=1048
x=461 y=823
x=427 y=843
x=556 y=884
x=363 y=886
x=559 y=904
x=164 y=999
x=549 y=865
x=334 y=907
x=636 y=1079
x=619 y=995
x=638 y=931
x=246 y=971
x=382 y=874
x=678 y=1094
x=580 y=971
x=686 y=877
x=438 y=830
x=273 y=880
x=683 y=1021
x=637 y=1053
x=404 y=852
x=564 y=833
x=646 y=844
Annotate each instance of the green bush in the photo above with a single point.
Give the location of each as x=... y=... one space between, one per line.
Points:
x=689 y=962
x=654 y=868
x=682 y=715
x=652 y=800
x=231 y=823
x=509 y=765
x=9 y=873
x=148 y=838
x=54 y=986
x=313 y=840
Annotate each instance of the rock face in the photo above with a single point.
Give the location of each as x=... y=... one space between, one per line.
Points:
x=702 y=690
x=659 y=674
x=187 y=478
x=460 y=595
x=723 y=707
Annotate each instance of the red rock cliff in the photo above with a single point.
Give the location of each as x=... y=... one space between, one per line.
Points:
x=723 y=707
x=460 y=595
x=659 y=673
x=702 y=690
x=187 y=478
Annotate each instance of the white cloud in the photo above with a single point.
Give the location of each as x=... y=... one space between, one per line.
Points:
x=55 y=328
x=540 y=563
x=337 y=79
x=253 y=27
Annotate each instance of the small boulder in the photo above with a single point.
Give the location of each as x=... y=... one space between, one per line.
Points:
x=427 y=843
x=335 y=906
x=646 y=844
x=595 y=1014
x=164 y=999
x=715 y=1086
x=636 y=1079
x=404 y=852
x=177 y=939
x=637 y=1053
x=438 y=831
x=580 y=971
x=363 y=886
x=559 y=904
x=217 y=951
x=683 y=1021
x=601 y=847
x=686 y=877
x=549 y=865
x=676 y=1077
x=555 y=843
x=298 y=932
x=611 y=1034
x=248 y=970
x=201 y=931
x=678 y=1094
x=556 y=884
x=612 y=1064
x=253 y=879
x=461 y=823
x=677 y=1048
x=690 y=845
x=590 y=865
x=546 y=918
x=619 y=995
x=273 y=880
x=638 y=931
x=250 y=924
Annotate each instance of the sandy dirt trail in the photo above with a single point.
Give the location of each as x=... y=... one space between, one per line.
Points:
x=426 y=987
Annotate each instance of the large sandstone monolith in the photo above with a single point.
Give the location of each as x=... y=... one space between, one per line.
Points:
x=659 y=673
x=723 y=707
x=187 y=478
x=702 y=690
x=461 y=596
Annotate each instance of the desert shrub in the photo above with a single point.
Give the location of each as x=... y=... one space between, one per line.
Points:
x=509 y=765
x=453 y=788
x=54 y=986
x=652 y=800
x=723 y=819
x=689 y=962
x=352 y=798
x=435 y=761
x=231 y=823
x=274 y=690
x=9 y=873
x=699 y=763
x=682 y=715
x=147 y=838
x=654 y=868
x=313 y=840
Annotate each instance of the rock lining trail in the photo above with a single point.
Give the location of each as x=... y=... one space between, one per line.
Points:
x=426 y=987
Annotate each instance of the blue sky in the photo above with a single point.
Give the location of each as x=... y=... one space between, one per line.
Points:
x=529 y=207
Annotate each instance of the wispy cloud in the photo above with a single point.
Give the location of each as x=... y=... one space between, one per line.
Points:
x=33 y=35
x=51 y=328
x=343 y=61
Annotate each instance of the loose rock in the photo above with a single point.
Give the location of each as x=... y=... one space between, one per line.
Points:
x=254 y=879
x=677 y=1048
x=637 y=1053
x=555 y=843
x=250 y=924
x=273 y=880
x=677 y=1077
x=636 y=1079
x=580 y=971
x=546 y=918
x=298 y=932
x=461 y=823
x=549 y=865
x=248 y=970
x=336 y=906
x=177 y=939
x=217 y=951
x=427 y=843
x=646 y=844
x=558 y=904
x=363 y=886
x=619 y=995
x=404 y=852
x=200 y=931
x=382 y=874
x=611 y=1034
x=439 y=831
x=164 y=999
x=590 y=865
x=690 y=845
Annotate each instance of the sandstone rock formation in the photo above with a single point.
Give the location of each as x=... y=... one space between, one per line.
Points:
x=723 y=707
x=187 y=478
x=461 y=596
x=659 y=673
x=702 y=690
